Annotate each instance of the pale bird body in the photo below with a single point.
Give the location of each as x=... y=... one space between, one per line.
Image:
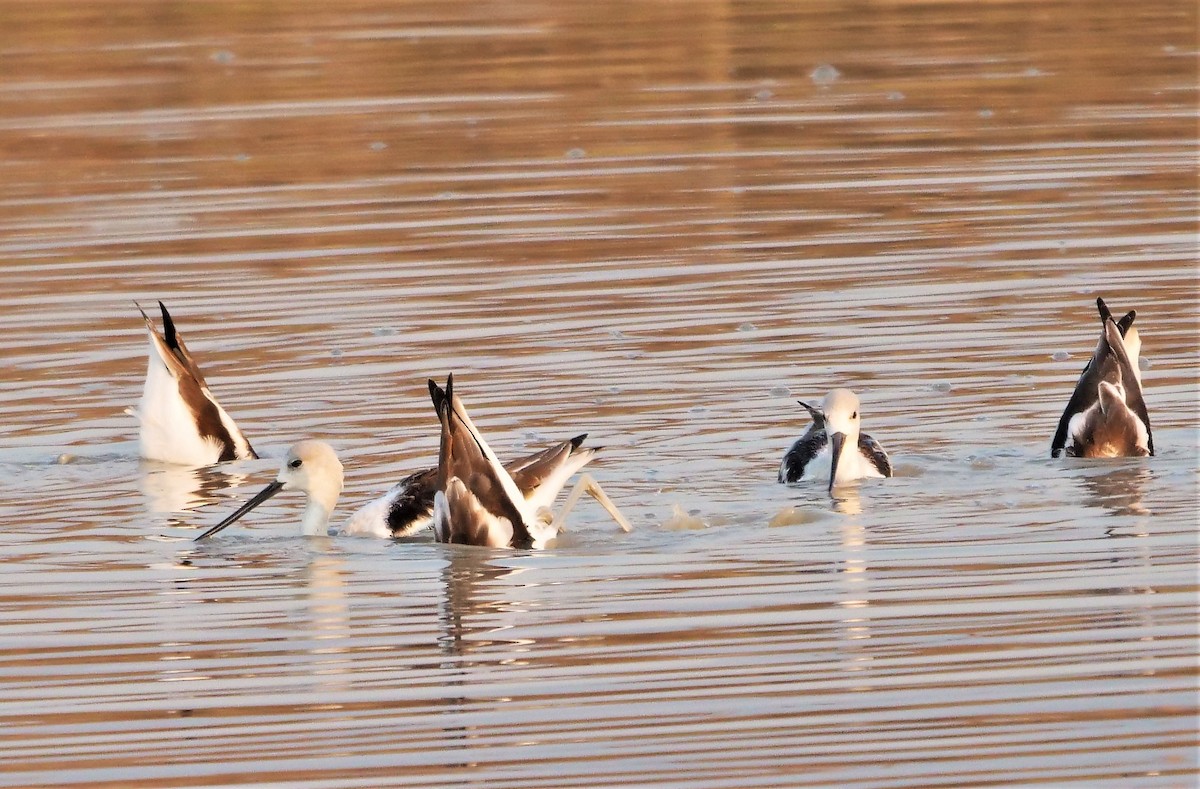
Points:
x=180 y=421
x=834 y=446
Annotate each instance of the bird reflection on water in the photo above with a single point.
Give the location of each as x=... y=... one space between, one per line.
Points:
x=470 y=605
x=169 y=488
x=1120 y=491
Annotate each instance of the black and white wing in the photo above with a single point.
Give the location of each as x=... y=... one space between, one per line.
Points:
x=873 y=451
x=802 y=453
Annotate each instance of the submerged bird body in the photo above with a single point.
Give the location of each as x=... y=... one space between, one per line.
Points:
x=311 y=467
x=478 y=501
x=1110 y=429
x=1106 y=416
x=408 y=506
x=180 y=419
x=834 y=447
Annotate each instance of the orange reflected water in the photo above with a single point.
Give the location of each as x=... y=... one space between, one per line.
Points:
x=656 y=222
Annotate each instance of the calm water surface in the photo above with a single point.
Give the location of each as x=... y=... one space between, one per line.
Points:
x=657 y=222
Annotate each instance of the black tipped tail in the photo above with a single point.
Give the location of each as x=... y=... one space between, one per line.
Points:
x=578 y=440
x=442 y=398
x=1123 y=324
x=168 y=328
x=437 y=395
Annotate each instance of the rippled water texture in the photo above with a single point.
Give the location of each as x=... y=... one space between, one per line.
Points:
x=660 y=223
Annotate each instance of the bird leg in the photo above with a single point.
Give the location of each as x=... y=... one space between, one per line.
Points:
x=587 y=484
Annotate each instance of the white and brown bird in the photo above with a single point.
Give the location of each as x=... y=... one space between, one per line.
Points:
x=478 y=502
x=834 y=447
x=408 y=506
x=180 y=419
x=1106 y=416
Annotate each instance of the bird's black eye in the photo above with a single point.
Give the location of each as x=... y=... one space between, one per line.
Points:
x=854 y=415
x=295 y=463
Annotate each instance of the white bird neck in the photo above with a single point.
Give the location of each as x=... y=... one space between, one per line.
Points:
x=315 y=521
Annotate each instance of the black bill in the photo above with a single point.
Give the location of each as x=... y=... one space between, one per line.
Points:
x=836 y=441
x=259 y=498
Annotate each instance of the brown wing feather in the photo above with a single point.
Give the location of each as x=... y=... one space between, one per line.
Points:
x=174 y=341
x=529 y=472
x=530 y=475
x=192 y=388
x=461 y=458
x=471 y=522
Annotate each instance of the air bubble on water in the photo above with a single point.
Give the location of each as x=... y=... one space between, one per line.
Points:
x=824 y=74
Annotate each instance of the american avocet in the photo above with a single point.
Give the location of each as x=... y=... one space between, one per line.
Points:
x=313 y=468
x=1106 y=415
x=477 y=501
x=834 y=446
x=181 y=421
x=408 y=506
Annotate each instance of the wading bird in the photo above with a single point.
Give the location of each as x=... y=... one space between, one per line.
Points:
x=180 y=420
x=833 y=445
x=1106 y=416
